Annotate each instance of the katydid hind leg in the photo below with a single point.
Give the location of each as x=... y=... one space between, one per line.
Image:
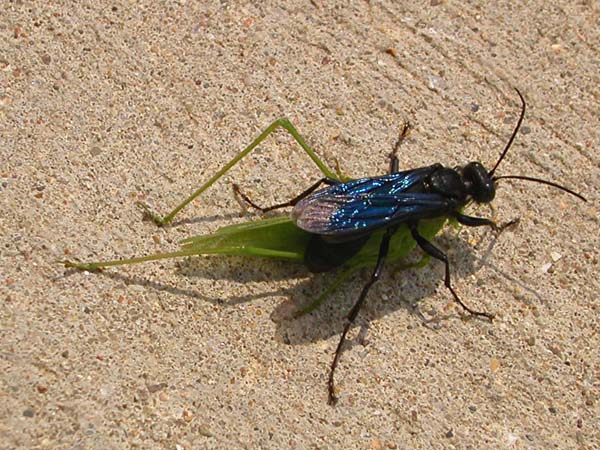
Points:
x=432 y=250
x=281 y=123
x=383 y=251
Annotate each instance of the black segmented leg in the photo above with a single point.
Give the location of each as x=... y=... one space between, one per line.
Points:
x=432 y=250
x=475 y=221
x=292 y=202
x=383 y=251
x=470 y=221
x=394 y=162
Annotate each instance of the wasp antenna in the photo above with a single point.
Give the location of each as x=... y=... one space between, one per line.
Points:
x=512 y=138
x=539 y=180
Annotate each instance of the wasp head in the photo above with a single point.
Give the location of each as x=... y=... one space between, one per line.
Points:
x=478 y=182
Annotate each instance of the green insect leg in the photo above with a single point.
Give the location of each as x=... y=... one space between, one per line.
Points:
x=330 y=290
x=98 y=265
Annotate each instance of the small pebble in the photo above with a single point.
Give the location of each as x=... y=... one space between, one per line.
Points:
x=494 y=365
x=156 y=387
x=436 y=83
x=391 y=51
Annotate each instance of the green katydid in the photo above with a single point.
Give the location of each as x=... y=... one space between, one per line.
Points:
x=276 y=237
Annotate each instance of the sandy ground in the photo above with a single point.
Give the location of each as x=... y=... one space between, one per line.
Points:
x=105 y=105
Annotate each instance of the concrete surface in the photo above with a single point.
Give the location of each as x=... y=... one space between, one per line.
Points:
x=104 y=104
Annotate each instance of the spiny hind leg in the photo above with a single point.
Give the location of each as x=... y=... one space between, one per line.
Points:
x=281 y=123
x=383 y=251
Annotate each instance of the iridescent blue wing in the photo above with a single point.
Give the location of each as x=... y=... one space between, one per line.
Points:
x=361 y=206
x=392 y=184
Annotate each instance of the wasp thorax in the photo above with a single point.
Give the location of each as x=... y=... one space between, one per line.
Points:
x=478 y=182
x=447 y=182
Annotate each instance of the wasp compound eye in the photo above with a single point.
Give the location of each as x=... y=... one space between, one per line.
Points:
x=481 y=185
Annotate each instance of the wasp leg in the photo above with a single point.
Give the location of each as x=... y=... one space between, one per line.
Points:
x=292 y=202
x=394 y=162
x=432 y=250
x=383 y=251
x=470 y=221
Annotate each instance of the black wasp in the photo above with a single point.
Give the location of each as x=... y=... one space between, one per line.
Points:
x=342 y=216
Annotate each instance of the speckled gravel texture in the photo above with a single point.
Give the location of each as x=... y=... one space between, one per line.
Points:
x=103 y=104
